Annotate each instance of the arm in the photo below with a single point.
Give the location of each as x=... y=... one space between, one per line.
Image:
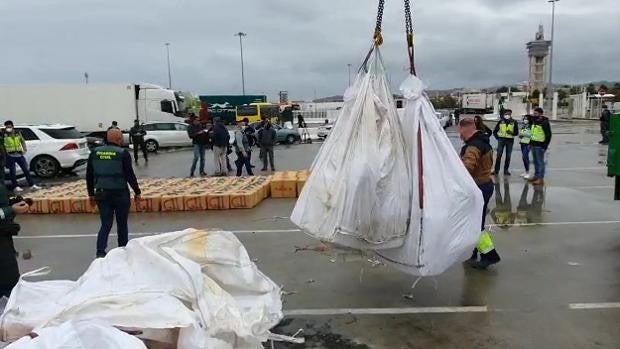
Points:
x=496 y=130
x=515 y=128
x=471 y=159
x=239 y=140
x=7 y=213
x=130 y=176
x=21 y=138
x=548 y=134
x=90 y=176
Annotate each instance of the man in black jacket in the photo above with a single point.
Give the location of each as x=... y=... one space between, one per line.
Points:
x=137 y=133
x=505 y=132
x=266 y=140
x=221 y=141
x=605 y=125
x=9 y=269
x=199 y=137
x=539 y=141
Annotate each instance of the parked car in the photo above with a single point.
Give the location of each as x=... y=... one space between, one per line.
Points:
x=53 y=148
x=324 y=131
x=283 y=135
x=166 y=134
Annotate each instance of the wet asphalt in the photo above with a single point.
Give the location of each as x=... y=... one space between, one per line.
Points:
x=560 y=249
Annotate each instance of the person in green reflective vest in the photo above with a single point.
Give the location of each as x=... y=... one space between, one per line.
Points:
x=477 y=156
x=525 y=133
x=505 y=132
x=108 y=172
x=539 y=143
x=15 y=147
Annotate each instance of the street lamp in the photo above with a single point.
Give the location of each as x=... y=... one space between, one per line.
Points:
x=169 y=74
x=241 y=35
x=550 y=89
x=349 y=66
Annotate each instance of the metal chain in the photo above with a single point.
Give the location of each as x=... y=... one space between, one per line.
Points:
x=409 y=31
x=377 y=35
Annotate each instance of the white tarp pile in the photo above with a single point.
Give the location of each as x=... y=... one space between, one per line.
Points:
x=389 y=184
x=201 y=282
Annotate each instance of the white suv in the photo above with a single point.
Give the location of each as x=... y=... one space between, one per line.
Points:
x=166 y=134
x=53 y=148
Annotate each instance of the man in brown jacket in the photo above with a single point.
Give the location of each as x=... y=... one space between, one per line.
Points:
x=477 y=156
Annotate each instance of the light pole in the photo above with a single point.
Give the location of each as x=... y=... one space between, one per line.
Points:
x=550 y=89
x=241 y=35
x=169 y=74
x=349 y=67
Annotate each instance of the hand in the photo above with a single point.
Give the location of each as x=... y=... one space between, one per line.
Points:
x=20 y=207
x=92 y=201
x=137 y=199
x=245 y=154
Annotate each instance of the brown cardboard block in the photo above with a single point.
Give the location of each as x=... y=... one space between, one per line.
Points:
x=218 y=200
x=243 y=199
x=147 y=203
x=59 y=205
x=39 y=206
x=284 y=188
x=300 y=185
x=81 y=205
x=172 y=203
x=195 y=201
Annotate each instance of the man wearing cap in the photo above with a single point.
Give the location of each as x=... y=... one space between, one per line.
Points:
x=108 y=172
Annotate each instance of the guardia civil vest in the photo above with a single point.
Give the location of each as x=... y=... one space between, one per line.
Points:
x=525 y=133
x=13 y=143
x=107 y=165
x=506 y=130
x=538 y=134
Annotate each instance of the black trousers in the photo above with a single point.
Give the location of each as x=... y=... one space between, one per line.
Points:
x=244 y=161
x=139 y=145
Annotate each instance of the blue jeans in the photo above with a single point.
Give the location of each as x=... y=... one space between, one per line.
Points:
x=11 y=161
x=525 y=152
x=199 y=153
x=112 y=203
x=539 y=162
x=507 y=144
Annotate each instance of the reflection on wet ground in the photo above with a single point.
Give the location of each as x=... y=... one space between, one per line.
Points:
x=529 y=208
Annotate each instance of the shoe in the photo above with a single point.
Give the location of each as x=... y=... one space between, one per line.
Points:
x=204 y=174
x=532 y=179
x=273 y=169
x=482 y=264
x=35 y=187
x=506 y=173
x=18 y=189
x=100 y=255
x=191 y=175
x=264 y=169
x=539 y=182
x=525 y=175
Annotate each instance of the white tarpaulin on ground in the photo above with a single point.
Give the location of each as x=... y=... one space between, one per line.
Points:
x=202 y=282
x=367 y=181
x=358 y=192
x=79 y=335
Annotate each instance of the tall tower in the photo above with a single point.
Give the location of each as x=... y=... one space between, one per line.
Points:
x=538 y=51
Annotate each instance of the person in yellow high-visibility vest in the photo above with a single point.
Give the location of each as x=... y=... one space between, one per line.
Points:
x=15 y=147
x=539 y=143
x=505 y=132
x=525 y=134
x=477 y=156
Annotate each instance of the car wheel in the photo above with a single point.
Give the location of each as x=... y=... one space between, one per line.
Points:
x=290 y=139
x=45 y=166
x=152 y=146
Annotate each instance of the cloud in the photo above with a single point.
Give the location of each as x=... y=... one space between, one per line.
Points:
x=294 y=45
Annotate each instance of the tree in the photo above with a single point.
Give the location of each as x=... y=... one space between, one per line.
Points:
x=575 y=90
x=535 y=94
x=450 y=102
x=502 y=89
x=603 y=87
x=591 y=89
x=562 y=94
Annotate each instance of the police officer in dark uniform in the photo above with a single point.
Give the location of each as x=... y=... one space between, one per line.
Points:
x=9 y=270
x=137 y=133
x=108 y=172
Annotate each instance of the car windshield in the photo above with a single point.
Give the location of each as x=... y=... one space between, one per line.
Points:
x=247 y=110
x=62 y=133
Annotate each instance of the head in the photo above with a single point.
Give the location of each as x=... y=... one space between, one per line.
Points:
x=604 y=106
x=467 y=128
x=115 y=123
x=8 y=126
x=136 y=122
x=538 y=112
x=507 y=114
x=267 y=124
x=195 y=121
x=114 y=137
x=218 y=121
x=478 y=120
x=527 y=119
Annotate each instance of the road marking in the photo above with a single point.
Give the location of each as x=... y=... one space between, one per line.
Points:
x=553 y=223
x=68 y=236
x=385 y=311
x=587 y=306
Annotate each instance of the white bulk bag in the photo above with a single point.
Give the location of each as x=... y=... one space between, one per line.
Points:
x=447 y=227
x=200 y=281
x=358 y=193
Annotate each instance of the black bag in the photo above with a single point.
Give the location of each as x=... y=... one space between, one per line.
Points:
x=10 y=229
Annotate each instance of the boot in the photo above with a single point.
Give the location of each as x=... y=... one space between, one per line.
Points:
x=539 y=182
x=487 y=259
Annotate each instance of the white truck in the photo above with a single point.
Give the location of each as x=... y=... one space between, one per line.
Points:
x=91 y=108
x=477 y=103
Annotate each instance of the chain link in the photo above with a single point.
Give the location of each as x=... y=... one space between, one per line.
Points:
x=409 y=31
x=380 y=16
x=408 y=21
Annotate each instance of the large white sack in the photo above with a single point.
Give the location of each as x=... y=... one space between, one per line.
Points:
x=358 y=193
x=85 y=334
x=201 y=281
x=446 y=230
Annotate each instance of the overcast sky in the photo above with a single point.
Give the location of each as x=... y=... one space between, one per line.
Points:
x=302 y=46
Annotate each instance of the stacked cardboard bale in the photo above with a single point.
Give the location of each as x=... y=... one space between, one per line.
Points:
x=178 y=194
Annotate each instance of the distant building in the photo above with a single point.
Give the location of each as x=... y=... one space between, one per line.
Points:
x=538 y=51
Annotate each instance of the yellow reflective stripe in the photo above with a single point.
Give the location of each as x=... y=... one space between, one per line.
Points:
x=485 y=244
x=506 y=130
